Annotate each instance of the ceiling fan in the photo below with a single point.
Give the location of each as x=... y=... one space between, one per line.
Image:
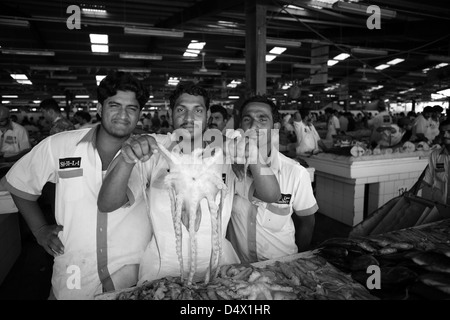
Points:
x=203 y=71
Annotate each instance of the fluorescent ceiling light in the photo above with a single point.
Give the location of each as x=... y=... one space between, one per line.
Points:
x=331 y=63
x=277 y=50
x=369 y=51
x=58 y=97
x=341 y=56
x=290 y=6
x=382 y=66
x=361 y=9
x=195 y=45
x=270 y=57
x=233 y=97
x=98 y=38
x=6 y=101
x=189 y=53
x=10 y=96
x=14 y=22
x=28 y=52
x=230 y=61
x=93 y=11
x=283 y=42
x=81 y=96
x=395 y=61
x=440 y=65
x=49 y=68
x=307 y=66
x=136 y=70
x=139 y=56
x=36 y=101
x=99 y=79
x=445 y=92
x=154 y=32
x=99 y=48
x=24 y=82
x=19 y=76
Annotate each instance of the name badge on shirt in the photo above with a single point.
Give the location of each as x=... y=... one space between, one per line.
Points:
x=285 y=199
x=440 y=167
x=67 y=163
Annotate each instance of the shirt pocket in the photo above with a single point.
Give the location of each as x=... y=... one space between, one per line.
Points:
x=71 y=184
x=275 y=216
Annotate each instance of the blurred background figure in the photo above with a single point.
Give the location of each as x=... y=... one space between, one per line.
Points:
x=14 y=141
x=83 y=120
x=218 y=118
x=52 y=113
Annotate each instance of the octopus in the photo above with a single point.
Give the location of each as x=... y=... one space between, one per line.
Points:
x=192 y=178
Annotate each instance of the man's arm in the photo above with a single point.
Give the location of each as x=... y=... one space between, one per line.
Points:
x=46 y=235
x=267 y=188
x=113 y=193
x=304 y=229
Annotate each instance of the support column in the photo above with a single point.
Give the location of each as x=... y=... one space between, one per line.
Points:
x=255 y=46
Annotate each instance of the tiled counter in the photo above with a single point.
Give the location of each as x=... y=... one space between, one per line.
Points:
x=349 y=188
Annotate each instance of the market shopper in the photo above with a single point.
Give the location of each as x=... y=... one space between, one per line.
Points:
x=421 y=125
x=189 y=104
x=437 y=174
x=14 y=140
x=308 y=140
x=261 y=230
x=52 y=112
x=93 y=252
x=383 y=118
x=333 y=125
x=218 y=118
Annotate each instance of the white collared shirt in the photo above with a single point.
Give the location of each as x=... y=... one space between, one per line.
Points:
x=260 y=230
x=14 y=140
x=95 y=244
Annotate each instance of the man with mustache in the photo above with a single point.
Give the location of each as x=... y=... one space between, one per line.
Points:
x=93 y=252
x=218 y=118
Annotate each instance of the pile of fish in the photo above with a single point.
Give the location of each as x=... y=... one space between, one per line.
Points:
x=309 y=277
x=414 y=263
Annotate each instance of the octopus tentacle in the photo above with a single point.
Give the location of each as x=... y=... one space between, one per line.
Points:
x=176 y=215
x=193 y=244
x=213 y=209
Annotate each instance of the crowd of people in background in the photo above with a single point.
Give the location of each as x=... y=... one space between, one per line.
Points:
x=325 y=125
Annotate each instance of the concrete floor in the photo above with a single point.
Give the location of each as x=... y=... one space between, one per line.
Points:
x=29 y=278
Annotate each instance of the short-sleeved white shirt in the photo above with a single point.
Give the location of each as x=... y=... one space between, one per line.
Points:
x=260 y=230
x=14 y=140
x=95 y=244
x=160 y=258
x=333 y=127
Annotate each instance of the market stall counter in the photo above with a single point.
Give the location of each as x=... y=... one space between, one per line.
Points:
x=407 y=264
x=349 y=188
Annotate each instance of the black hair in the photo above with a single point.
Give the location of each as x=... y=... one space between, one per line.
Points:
x=266 y=100
x=122 y=81
x=84 y=115
x=218 y=108
x=304 y=112
x=189 y=88
x=50 y=104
